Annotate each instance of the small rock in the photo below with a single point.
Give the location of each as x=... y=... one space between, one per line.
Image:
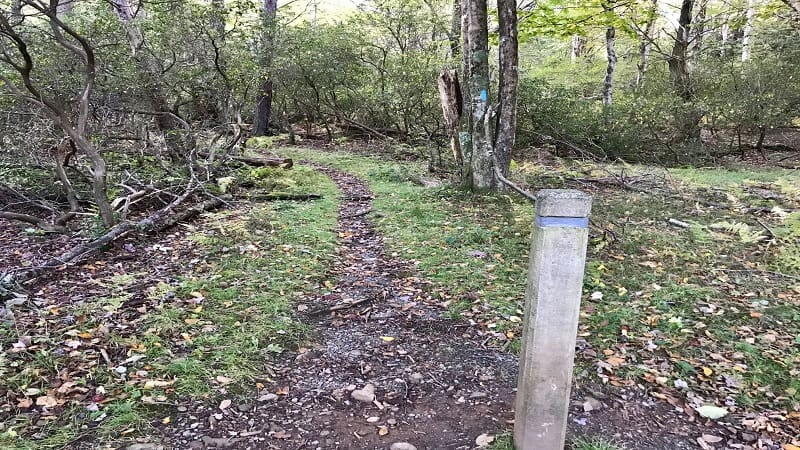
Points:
x=366 y=394
x=592 y=404
x=416 y=378
x=373 y=419
x=182 y=409
x=244 y=407
x=749 y=437
x=392 y=421
x=478 y=394
x=268 y=398
x=402 y=446
x=145 y=447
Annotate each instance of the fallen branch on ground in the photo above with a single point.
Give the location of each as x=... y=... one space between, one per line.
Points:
x=285 y=163
x=158 y=221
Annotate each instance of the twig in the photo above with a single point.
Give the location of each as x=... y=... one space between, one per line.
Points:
x=765 y=227
x=679 y=223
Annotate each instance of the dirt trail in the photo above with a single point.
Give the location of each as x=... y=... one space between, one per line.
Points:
x=436 y=386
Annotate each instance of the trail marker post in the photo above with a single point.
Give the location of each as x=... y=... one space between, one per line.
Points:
x=552 y=307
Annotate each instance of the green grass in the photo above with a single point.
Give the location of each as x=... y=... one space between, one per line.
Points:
x=595 y=444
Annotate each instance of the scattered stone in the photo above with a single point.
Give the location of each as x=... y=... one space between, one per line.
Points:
x=147 y=446
x=268 y=398
x=478 y=394
x=592 y=404
x=366 y=394
x=416 y=378
x=392 y=421
x=402 y=446
x=218 y=442
x=373 y=419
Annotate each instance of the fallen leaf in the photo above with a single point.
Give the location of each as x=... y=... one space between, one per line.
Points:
x=48 y=401
x=383 y=431
x=223 y=380
x=224 y=404
x=789 y=447
x=166 y=420
x=25 y=403
x=707 y=371
x=387 y=338
x=711 y=439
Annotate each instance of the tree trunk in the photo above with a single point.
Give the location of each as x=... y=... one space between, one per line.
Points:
x=465 y=136
x=611 y=54
x=506 y=126
x=264 y=97
x=699 y=28
x=455 y=30
x=481 y=166
x=16 y=10
x=748 y=30
x=724 y=30
x=450 y=96
x=646 y=44
x=794 y=5
x=577 y=47
x=680 y=74
x=168 y=122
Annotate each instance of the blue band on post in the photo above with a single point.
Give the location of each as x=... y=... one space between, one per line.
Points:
x=563 y=222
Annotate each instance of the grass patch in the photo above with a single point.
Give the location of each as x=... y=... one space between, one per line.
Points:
x=595 y=444
x=217 y=326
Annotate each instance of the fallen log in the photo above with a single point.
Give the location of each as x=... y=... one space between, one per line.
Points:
x=158 y=221
x=284 y=163
x=274 y=197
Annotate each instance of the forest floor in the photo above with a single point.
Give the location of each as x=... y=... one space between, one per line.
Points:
x=262 y=325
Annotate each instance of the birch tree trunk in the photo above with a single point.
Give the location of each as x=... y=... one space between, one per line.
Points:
x=576 y=48
x=646 y=44
x=611 y=54
x=724 y=29
x=506 y=127
x=748 y=30
x=481 y=175
x=680 y=73
x=264 y=98
x=465 y=136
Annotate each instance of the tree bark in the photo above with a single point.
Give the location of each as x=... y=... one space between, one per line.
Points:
x=455 y=30
x=450 y=96
x=481 y=176
x=794 y=5
x=680 y=74
x=506 y=127
x=748 y=29
x=646 y=44
x=264 y=97
x=611 y=55
x=577 y=46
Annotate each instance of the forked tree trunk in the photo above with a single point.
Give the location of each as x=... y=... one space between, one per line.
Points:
x=506 y=127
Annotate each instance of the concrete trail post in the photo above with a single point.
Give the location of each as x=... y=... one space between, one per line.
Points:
x=552 y=306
